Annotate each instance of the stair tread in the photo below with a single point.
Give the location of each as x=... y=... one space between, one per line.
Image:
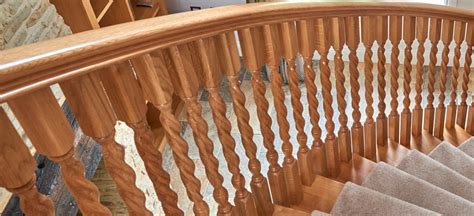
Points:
x=454 y=158
x=358 y=200
x=468 y=147
x=456 y=135
x=434 y=172
x=356 y=170
x=394 y=182
x=283 y=211
x=321 y=195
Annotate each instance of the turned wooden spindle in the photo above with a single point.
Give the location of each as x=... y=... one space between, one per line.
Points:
x=462 y=108
x=394 y=118
x=337 y=39
x=306 y=47
x=470 y=118
x=290 y=165
x=368 y=38
x=446 y=38
x=284 y=127
x=144 y=137
x=230 y=60
x=381 y=36
x=181 y=80
x=353 y=40
x=459 y=32
x=92 y=110
x=279 y=97
x=129 y=105
x=48 y=129
x=421 y=35
x=409 y=27
x=82 y=21
x=18 y=171
x=434 y=36
x=264 y=204
x=152 y=83
x=331 y=143
x=212 y=78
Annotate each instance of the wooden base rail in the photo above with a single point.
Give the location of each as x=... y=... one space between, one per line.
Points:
x=111 y=74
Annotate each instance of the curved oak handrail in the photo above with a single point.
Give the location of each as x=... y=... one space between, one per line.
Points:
x=31 y=67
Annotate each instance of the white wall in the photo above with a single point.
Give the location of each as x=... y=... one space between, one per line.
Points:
x=465 y=4
x=175 y=6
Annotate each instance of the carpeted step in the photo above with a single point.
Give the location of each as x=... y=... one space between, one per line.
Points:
x=358 y=200
x=454 y=158
x=468 y=147
x=401 y=185
x=434 y=172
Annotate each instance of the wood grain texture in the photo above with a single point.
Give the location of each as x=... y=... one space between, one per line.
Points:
x=18 y=167
x=51 y=135
x=368 y=39
x=223 y=124
x=421 y=36
x=152 y=87
x=353 y=40
x=459 y=33
x=292 y=174
x=434 y=36
x=462 y=108
x=82 y=53
x=282 y=211
x=394 y=118
x=92 y=109
x=321 y=195
x=180 y=154
x=258 y=183
x=281 y=110
x=200 y=130
x=196 y=50
x=381 y=36
x=331 y=144
x=446 y=38
x=409 y=27
x=306 y=47
x=337 y=36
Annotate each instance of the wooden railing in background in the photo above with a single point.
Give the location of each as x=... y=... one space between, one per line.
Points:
x=94 y=70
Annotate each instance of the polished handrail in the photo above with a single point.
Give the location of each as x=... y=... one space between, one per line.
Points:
x=27 y=68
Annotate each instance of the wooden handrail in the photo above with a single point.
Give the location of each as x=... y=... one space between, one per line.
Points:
x=38 y=65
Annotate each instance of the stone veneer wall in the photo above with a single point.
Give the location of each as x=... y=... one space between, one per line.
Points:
x=25 y=22
x=29 y=21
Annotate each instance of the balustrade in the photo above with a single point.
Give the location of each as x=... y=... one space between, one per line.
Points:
x=110 y=74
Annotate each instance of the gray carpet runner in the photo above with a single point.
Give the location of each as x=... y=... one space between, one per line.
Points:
x=352 y=195
x=440 y=183
x=454 y=158
x=401 y=185
x=468 y=147
x=434 y=172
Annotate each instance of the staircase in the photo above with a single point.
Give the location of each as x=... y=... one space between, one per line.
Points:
x=329 y=143
x=420 y=185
